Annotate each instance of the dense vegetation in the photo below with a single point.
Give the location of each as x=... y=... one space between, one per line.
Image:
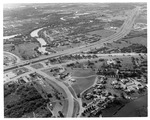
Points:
x=29 y=101
x=135 y=48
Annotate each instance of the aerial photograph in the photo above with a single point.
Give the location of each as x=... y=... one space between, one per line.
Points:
x=75 y=60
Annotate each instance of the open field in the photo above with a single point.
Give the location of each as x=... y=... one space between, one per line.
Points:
x=83 y=83
x=141 y=20
x=126 y=63
x=81 y=73
x=75 y=60
x=60 y=48
x=76 y=108
x=24 y=51
x=37 y=66
x=127 y=42
x=72 y=92
x=139 y=40
x=10 y=59
x=135 y=108
x=103 y=33
x=65 y=107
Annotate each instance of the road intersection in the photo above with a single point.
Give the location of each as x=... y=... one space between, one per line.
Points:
x=122 y=32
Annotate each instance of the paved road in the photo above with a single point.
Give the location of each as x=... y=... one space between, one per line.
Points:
x=67 y=91
x=123 y=31
x=15 y=56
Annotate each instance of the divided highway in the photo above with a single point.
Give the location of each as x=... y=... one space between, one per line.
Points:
x=123 y=31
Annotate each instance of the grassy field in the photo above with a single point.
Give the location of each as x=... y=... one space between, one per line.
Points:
x=72 y=92
x=142 y=18
x=58 y=88
x=84 y=78
x=37 y=66
x=136 y=108
x=127 y=42
x=126 y=63
x=25 y=50
x=83 y=83
x=139 y=40
x=60 y=48
x=77 y=72
x=65 y=107
x=103 y=33
x=119 y=45
x=76 y=109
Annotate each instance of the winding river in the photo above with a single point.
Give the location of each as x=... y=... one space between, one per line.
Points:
x=34 y=34
x=40 y=40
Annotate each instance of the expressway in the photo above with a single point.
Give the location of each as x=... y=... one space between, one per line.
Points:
x=70 y=97
x=65 y=88
x=123 y=31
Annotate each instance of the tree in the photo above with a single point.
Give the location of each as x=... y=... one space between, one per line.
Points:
x=84 y=104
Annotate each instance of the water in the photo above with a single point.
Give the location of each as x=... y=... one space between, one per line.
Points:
x=40 y=40
x=10 y=36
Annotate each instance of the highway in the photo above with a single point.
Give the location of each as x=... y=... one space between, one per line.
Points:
x=123 y=31
x=62 y=85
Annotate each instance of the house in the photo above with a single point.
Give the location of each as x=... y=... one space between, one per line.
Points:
x=124 y=81
x=111 y=62
x=72 y=80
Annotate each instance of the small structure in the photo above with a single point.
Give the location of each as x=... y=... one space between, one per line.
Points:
x=111 y=62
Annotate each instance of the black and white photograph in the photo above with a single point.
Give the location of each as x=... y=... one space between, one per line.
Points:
x=75 y=60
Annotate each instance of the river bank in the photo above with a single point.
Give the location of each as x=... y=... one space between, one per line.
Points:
x=42 y=42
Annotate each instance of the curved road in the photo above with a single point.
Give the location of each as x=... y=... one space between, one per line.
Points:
x=65 y=88
x=17 y=58
x=123 y=31
x=61 y=84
